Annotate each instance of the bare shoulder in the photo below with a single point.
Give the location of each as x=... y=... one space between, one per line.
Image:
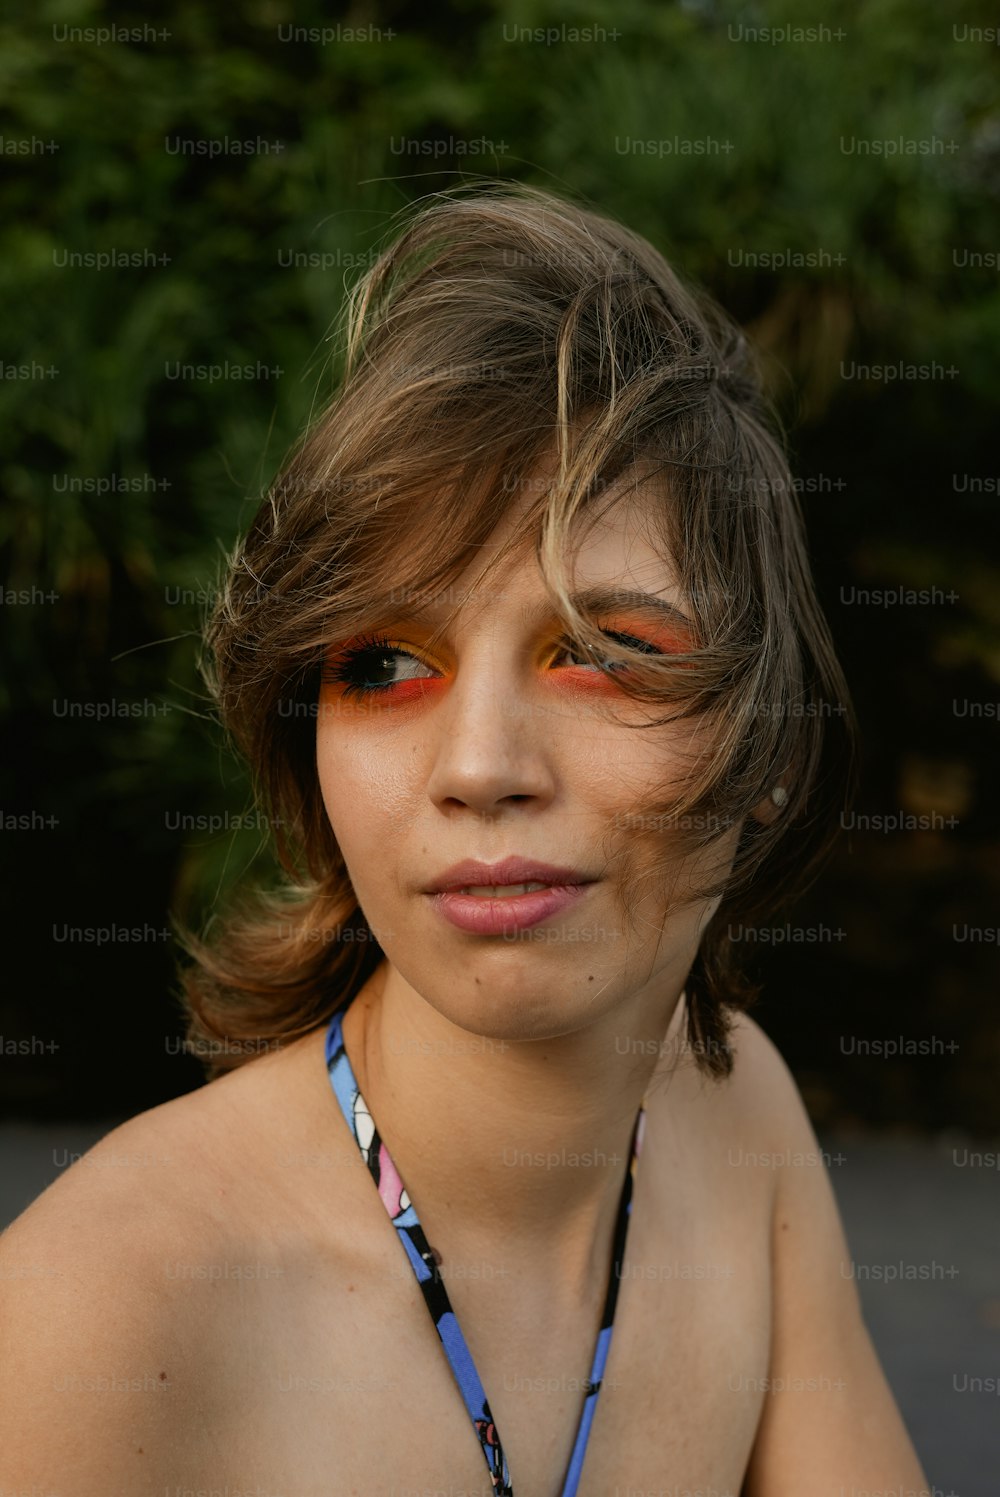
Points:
x=759 y=1100
x=85 y=1353
x=89 y=1350
x=721 y=1139
x=746 y=1138
x=119 y=1279
x=761 y=1076
x=160 y=1171
x=768 y=1093
x=133 y=1181
x=830 y=1418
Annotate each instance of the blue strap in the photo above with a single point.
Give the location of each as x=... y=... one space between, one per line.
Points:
x=402 y=1213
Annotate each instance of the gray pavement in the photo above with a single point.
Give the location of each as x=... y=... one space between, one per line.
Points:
x=923 y=1224
x=931 y=1209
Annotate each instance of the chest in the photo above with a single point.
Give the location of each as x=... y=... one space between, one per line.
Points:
x=331 y=1384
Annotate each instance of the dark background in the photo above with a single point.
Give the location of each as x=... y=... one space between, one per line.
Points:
x=751 y=147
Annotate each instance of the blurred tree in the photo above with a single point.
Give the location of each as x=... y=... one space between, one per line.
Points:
x=751 y=163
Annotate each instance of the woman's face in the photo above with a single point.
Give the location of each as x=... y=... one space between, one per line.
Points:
x=501 y=742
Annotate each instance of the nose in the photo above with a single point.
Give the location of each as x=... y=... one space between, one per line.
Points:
x=493 y=740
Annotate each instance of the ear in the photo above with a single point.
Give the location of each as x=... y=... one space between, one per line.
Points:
x=767 y=811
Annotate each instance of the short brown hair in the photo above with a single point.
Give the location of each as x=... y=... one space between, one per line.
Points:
x=502 y=325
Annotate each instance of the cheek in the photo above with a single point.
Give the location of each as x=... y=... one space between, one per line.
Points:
x=348 y=792
x=365 y=787
x=581 y=682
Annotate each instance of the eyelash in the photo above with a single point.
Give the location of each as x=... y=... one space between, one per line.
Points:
x=339 y=669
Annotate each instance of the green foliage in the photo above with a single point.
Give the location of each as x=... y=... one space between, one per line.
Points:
x=353 y=129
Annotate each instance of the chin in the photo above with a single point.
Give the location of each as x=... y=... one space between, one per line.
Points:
x=523 y=1005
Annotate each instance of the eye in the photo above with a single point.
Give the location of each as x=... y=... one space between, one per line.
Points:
x=373 y=665
x=569 y=648
x=360 y=666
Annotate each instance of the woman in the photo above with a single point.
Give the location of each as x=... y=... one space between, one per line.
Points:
x=495 y=1186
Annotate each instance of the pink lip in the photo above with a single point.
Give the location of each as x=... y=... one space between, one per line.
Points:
x=512 y=870
x=483 y=916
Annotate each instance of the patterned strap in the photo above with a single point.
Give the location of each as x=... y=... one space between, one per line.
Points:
x=404 y=1218
x=607 y=1318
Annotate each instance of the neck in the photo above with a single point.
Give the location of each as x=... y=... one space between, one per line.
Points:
x=511 y=1149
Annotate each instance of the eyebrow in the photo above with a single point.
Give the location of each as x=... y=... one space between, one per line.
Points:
x=597 y=599
x=610 y=599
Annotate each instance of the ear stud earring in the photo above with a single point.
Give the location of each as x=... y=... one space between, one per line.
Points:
x=779 y=796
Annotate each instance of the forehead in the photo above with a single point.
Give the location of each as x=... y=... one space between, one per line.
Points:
x=615 y=554
x=618 y=542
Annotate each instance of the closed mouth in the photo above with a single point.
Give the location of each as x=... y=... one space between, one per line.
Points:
x=500 y=891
